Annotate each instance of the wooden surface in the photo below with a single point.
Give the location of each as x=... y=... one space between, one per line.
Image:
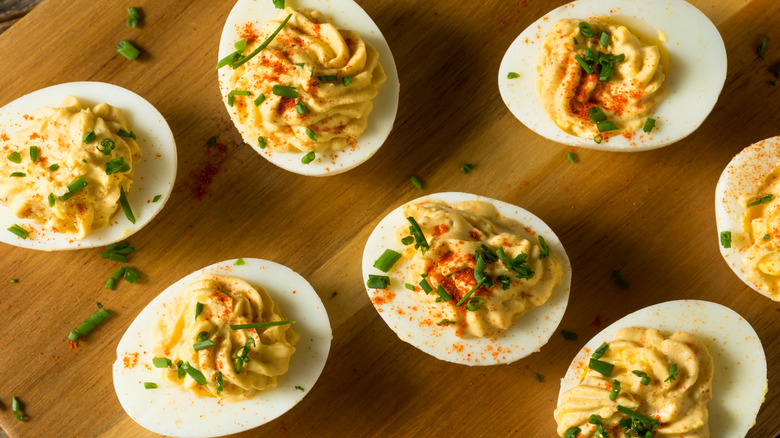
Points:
x=647 y=214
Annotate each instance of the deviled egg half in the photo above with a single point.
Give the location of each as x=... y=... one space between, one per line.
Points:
x=680 y=368
x=467 y=279
x=313 y=87
x=225 y=349
x=83 y=164
x=619 y=75
x=747 y=212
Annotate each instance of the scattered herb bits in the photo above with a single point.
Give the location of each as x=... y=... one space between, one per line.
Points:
x=762 y=46
x=162 y=362
x=239 y=262
x=156 y=198
x=311 y=134
x=309 y=157
x=672 y=373
x=89 y=324
x=127 y=50
x=620 y=280
x=416 y=182
x=512 y=75
x=466 y=168
x=569 y=336
x=586 y=30
x=255 y=325
x=572 y=432
x=725 y=239
x=134 y=16
x=649 y=124
x=604 y=368
x=15 y=157
x=19 y=231
x=762 y=200
x=150 y=385
x=126 y=205
x=346 y=80
x=570 y=157
x=615 y=392
x=378 y=281
x=299 y=388
x=386 y=261
x=235 y=60
x=538 y=377
x=16 y=407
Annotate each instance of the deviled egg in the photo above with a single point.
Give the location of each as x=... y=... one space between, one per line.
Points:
x=225 y=349
x=467 y=279
x=312 y=88
x=88 y=164
x=615 y=75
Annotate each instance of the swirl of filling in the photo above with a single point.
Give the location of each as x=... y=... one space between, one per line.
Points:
x=225 y=301
x=677 y=373
x=455 y=235
x=761 y=223
x=331 y=74
x=567 y=91
x=40 y=162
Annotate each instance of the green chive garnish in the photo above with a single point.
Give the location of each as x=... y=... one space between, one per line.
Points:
x=615 y=392
x=106 y=146
x=229 y=59
x=131 y=275
x=309 y=157
x=74 y=187
x=231 y=95
x=34 y=154
x=766 y=237
x=240 y=45
x=425 y=286
x=132 y=20
x=123 y=133
x=474 y=304
x=87 y=326
x=15 y=157
x=386 y=261
x=725 y=239
x=156 y=198
x=378 y=281
x=346 y=80
x=220 y=383
x=586 y=30
x=301 y=108
x=328 y=78
x=606 y=126
x=265 y=44
x=443 y=293
x=126 y=205
x=512 y=75
x=284 y=91
x=672 y=373
x=598 y=138
x=161 y=362
x=409 y=286
x=419 y=237
x=636 y=415
x=18 y=174
x=127 y=50
x=89 y=137
x=600 y=351
x=620 y=280
x=585 y=66
x=19 y=231
x=150 y=385
x=604 y=368
x=117 y=165
x=445 y=321
x=260 y=99
x=259 y=324
x=570 y=157
x=261 y=142
x=505 y=281
x=467 y=168
x=311 y=134
x=208 y=343
x=408 y=240
x=279 y=4
x=572 y=432
x=604 y=39
x=569 y=336
x=16 y=408
x=538 y=377
x=198 y=309
x=196 y=375
x=762 y=46
x=416 y=182
x=596 y=114
x=643 y=375
x=239 y=262
x=54 y=167
x=649 y=124
x=762 y=199
x=14 y=280
x=545 y=249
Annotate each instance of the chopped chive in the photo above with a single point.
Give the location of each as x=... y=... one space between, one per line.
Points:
x=419 y=237
x=409 y=286
x=466 y=297
x=240 y=45
x=198 y=309
x=649 y=124
x=604 y=368
x=208 y=343
x=107 y=254
x=615 y=392
x=574 y=39
x=229 y=59
x=512 y=75
x=596 y=114
x=106 y=146
x=570 y=157
x=569 y=336
x=328 y=78
x=161 y=362
x=150 y=385
x=262 y=46
x=34 y=154
x=643 y=375
x=606 y=126
x=15 y=157
x=311 y=134
x=425 y=286
x=259 y=324
x=766 y=237
x=545 y=249
x=89 y=324
x=598 y=138
x=133 y=17
x=123 y=133
x=279 y=4
x=54 y=167
x=585 y=66
x=131 y=275
x=284 y=91
x=232 y=93
x=260 y=99
x=309 y=157
x=14 y=280
x=606 y=72
x=474 y=304
x=300 y=64
x=110 y=283
x=445 y=321
x=119 y=273
x=620 y=280
x=127 y=50
x=443 y=293
x=572 y=432
x=378 y=281
x=301 y=108
x=117 y=165
x=505 y=281
x=261 y=142
x=239 y=262
x=604 y=39
x=725 y=239
x=117 y=257
x=126 y=205
x=89 y=137
x=299 y=388
x=408 y=240
x=19 y=231
x=180 y=370
x=586 y=30
x=18 y=174
x=672 y=373
x=16 y=408
x=416 y=182
x=202 y=336
x=196 y=375
x=762 y=199
x=600 y=351
x=386 y=261
x=74 y=187
x=538 y=377
x=638 y=416
x=466 y=168
x=346 y=80
x=156 y=198
x=220 y=383
x=762 y=46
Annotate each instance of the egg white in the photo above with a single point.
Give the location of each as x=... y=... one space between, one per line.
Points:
x=153 y=175
x=694 y=81
x=405 y=313
x=742 y=178
x=170 y=411
x=344 y=14
x=739 y=383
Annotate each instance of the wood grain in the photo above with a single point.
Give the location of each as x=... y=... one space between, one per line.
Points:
x=648 y=214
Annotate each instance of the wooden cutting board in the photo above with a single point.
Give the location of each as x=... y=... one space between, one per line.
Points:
x=647 y=214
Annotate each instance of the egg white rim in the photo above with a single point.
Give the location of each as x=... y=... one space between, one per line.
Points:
x=157 y=411
x=741 y=178
x=697 y=80
x=526 y=336
x=730 y=340
x=153 y=175
x=382 y=117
